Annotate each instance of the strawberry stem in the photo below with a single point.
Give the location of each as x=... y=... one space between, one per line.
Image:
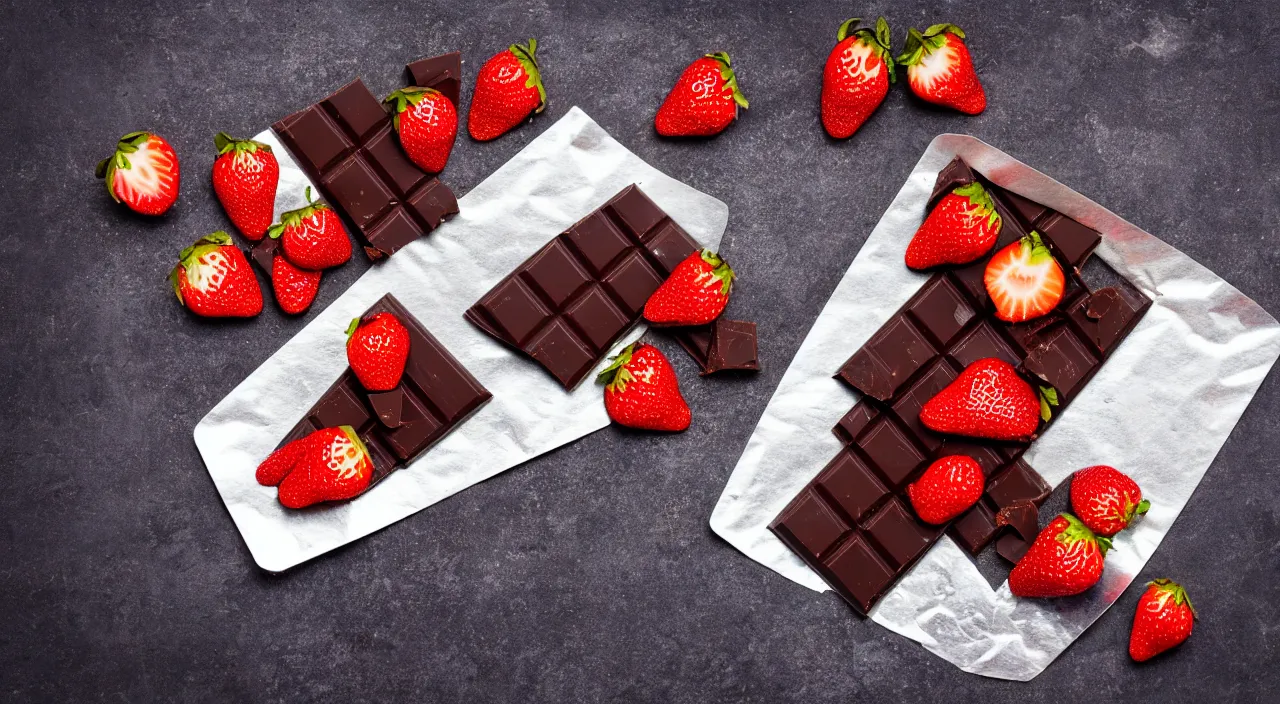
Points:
x=730 y=78
x=527 y=56
x=616 y=376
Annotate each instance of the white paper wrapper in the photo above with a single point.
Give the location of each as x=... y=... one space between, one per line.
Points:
x=1198 y=356
x=568 y=171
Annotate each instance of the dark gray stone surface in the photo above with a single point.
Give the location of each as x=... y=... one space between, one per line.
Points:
x=588 y=574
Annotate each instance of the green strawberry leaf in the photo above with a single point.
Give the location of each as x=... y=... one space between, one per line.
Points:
x=846 y=28
x=616 y=376
x=729 y=77
x=527 y=56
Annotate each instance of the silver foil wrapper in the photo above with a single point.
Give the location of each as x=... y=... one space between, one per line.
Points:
x=566 y=172
x=1198 y=356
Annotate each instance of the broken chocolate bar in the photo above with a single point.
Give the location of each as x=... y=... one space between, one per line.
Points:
x=724 y=345
x=348 y=147
x=435 y=396
x=443 y=73
x=571 y=301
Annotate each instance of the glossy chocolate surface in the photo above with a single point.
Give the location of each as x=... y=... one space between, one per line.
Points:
x=444 y=73
x=723 y=345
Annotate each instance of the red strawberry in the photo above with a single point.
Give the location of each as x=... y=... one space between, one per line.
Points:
x=312 y=237
x=856 y=78
x=988 y=400
x=142 y=174
x=330 y=465
x=1164 y=619
x=940 y=70
x=963 y=226
x=1106 y=499
x=427 y=123
x=213 y=279
x=1024 y=280
x=377 y=349
x=1065 y=559
x=695 y=293
x=508 y=88
x=641 y=391
x=946 y=489
x=704 y=100
x=295 y=288
x=245 y=176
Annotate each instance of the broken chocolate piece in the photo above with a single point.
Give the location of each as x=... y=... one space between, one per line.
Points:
x=1012 y=547
x=724 y=345
x=1023 y=517
x=388 y=406
x=443 y=73
x=263 y=253
x=1071 y=241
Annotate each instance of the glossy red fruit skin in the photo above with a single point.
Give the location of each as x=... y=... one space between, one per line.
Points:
x=940 y=69
x=962 y=227
x=245 y=177
x=508 y=89
x=278 y=464
x=704 y=101
x=641 y=391
x=334 y=465
x=856 y=77
x=1164 y=619
x=427 y=124
x=312 y=237
x=377 y=350
x=158 y=156
x=695 y=293
x=295 y=288
x=988 y=400
x=224 y=286
x=948 y=487
x=1106 y=499
x=1066 y=559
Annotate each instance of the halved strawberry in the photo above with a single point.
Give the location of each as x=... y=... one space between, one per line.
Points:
x=142 y=173
x=1024 y=280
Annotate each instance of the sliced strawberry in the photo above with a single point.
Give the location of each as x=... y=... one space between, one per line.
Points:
x=1024 y=280
x=142 y=173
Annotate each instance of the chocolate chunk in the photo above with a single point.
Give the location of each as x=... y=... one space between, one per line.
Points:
x=1106 y=317
x=263 y=253
x=1062 y=360
x=733 y=347
x=444 y=73
x=953 y=175
x=1068 y=239
x=571 y=301
x=348 y=147
x=697 y=342
x=1023 y=517
x=1012 y=547
x=436 y=395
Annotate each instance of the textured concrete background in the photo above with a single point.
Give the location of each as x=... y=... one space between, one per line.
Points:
x=588 y=574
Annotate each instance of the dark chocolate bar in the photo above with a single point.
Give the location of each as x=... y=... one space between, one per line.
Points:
x=571 y=301
x=348 y=147
x=435 y=395
x=854 y=523
x=444 y=73
x=724 y=345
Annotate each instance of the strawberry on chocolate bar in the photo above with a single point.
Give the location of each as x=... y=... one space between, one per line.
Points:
x=312 y=237
x=427 y=124
x=295 y=288
x=377 y=350
x=695 y=294
x=1024 y=280
x=328 y=465
x=988 y=400
x=1065 y=559
x=946 y=489
x=962 y=227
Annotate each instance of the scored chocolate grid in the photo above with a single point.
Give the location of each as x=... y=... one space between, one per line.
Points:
x=347 y=144
x=572 y=300
x=439 y=394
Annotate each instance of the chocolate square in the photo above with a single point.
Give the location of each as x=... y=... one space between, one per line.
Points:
x=850 y=486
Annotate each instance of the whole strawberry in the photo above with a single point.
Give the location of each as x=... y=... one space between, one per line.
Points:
x=641 y=391
x=962 y=227
x=377 y=349
x=940 y=70
x=427 y=124
x=508 y=89
x=1024 y=280
x=1163 y=620
x=1065 y=559
x=856 y=78
x=245 y=176
x=948 y=488
x=295 y=288
x=988 y=400
x=312 y=237
x=1106 y=499
x=143 y=173
x=695 y=293
x=213 y=279
x=704 y=101
x=327 y=465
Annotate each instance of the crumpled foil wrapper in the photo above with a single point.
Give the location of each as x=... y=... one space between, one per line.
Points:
x=565 y=173
x=1198 y=356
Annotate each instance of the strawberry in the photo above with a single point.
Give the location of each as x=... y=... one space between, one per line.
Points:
x=704 y=100
x=988 y=400
x=940 y=70
x=327 y=465
x=427 y=123
x=142 y=174
x=377 y=349
x=508 y=89
x=946 y=489
x=312 y=237
x=1164 y=619
x=695 y=293
x=1024 y=280
x=245 y=176
x=641 y=391
x=213 y=279
x=1065 y=559
x=962 y=227
x=295 y=288
x=856 y=78
x=1106 y=499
